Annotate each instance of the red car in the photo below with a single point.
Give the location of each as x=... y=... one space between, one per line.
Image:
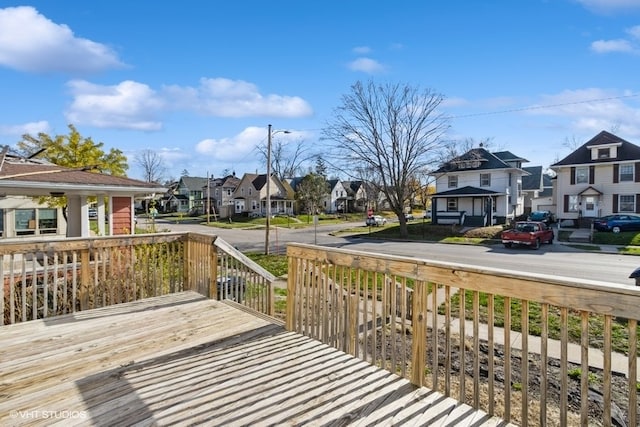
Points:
x=530 y=233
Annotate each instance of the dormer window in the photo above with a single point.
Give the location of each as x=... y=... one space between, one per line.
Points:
x=604 y=153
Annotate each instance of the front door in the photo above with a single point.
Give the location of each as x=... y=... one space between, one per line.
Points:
x=589 y=208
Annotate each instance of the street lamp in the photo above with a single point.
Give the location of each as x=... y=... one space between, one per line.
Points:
x=268 y=207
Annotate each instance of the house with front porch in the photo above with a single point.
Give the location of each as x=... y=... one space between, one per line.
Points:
x=189 y=193
x=250 y=196
x=479 y=188
x=33 y=193
x=599 y=178
x=218 y=195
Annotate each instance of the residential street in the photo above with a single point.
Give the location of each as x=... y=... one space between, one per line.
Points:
x=556 y=259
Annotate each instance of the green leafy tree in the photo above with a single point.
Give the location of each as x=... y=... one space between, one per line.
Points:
x=72 y=151
x=311 y=192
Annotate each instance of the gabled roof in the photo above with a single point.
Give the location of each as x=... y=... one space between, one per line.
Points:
x=193 y=183
x=533 y=181
x=582 y=155
x=478 y=159
x=30 y=177
x=508 y=156
x=259 y=181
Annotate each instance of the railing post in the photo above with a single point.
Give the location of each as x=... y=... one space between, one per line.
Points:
x=271 y=309
x=213 y=277
x=292 y=296
x=187 y=263
x=85 y=278
x=418 y=344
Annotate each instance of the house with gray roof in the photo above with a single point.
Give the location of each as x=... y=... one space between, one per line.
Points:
x=599 y=178
x=479 y=188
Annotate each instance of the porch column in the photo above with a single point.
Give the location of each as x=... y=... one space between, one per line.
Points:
x=101 y=216
x=77 y=216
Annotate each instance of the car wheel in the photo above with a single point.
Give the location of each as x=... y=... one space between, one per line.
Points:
x=536 y=244
x=507 y=245
x=615 y=229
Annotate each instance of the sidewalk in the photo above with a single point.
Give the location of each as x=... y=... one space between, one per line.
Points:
x=619 y=362
x=583 y=235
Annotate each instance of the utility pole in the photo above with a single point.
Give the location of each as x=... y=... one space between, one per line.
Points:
x=268 y=202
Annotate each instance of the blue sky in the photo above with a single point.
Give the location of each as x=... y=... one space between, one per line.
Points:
x=199 y=81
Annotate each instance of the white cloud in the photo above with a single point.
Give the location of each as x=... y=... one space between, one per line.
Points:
x=241 y=148
x=32 y=128
x=128 y=105
x=610 y=6
x=592 y=110
x=235 y=98
x=607 y=46
x=31 y=42
x=634 y=32
x=366 y=65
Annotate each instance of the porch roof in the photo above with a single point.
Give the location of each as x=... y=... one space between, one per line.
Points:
x=467 y=191
x=27 y=177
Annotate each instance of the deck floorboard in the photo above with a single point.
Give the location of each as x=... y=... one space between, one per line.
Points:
x=183 y=359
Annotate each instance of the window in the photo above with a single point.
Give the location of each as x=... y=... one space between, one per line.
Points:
x=627 y=203
x=604 y=153
x=485 y=180
x=249 y=191
x=582 y=175
x=453 y=181
x=48 y=221
x=573 y=203
x=228 y=192
x=1 y=222
x=626 y=173
x=36 y=221
x=452 y=204
x=25 y=222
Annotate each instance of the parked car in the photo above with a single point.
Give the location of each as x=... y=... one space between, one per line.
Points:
x=530 y=233
x=376 y=221
x=231 y=287
x=542 y=216
x=617 y=223
x=409 y=217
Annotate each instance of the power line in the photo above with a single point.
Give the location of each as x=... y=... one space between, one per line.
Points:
x=542 y=107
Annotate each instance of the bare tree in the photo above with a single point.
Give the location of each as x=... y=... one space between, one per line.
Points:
x=394 y=131
x=287 y=158
x=152 y=165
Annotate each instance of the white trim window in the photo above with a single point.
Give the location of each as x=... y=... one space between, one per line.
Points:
x=582 y=175
x=36 y=221
x=453 y=181
x=573 y=203
x=452 y=204
x=626 y=172
x=627 y=203
x=485 y=180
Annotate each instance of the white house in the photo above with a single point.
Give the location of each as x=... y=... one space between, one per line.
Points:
x=479 y=188
x=601 y=177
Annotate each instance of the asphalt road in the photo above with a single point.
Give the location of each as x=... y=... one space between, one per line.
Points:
x=556 y=259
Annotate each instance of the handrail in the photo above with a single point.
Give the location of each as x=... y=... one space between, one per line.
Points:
x=81 y=273
x=459 y=315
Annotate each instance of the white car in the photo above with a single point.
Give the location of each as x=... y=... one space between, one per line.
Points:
x=376 y=221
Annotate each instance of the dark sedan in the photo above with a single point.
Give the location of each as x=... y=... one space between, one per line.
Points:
x=617 y=223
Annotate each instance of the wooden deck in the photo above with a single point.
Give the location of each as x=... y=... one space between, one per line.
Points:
x=183 y=359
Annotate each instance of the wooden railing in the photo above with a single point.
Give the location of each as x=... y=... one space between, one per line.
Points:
x=54 y=277
x=531 y=349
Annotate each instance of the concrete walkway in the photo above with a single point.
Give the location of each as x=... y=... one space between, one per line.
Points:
x=619 y=362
